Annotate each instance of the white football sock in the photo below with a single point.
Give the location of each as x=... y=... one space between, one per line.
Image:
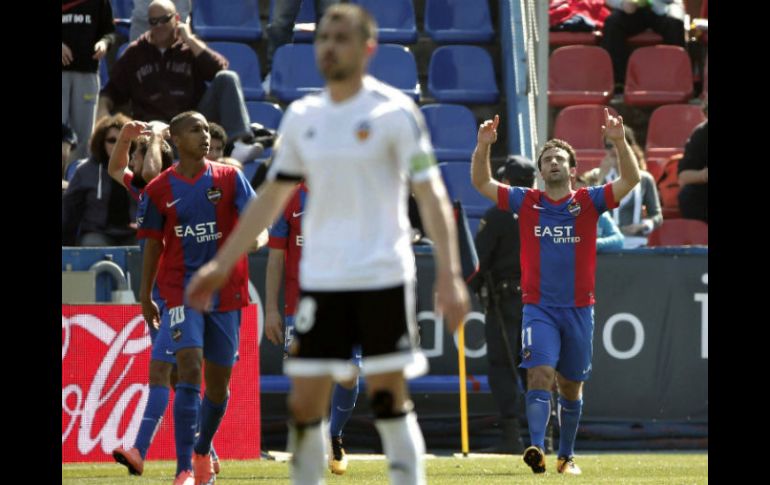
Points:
x=404 y=446
x=307 y=445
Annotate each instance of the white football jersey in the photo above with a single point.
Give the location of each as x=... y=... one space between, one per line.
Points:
x=357 y=158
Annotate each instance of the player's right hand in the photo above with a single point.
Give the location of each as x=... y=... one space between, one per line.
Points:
x=488 y=131
x=133 y=129
x=208 y=279
x=274 y=327
x=151 y=314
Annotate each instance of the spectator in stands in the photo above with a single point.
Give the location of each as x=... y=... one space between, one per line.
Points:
x=608 y=235
x=87 y=33
x=69 y=141
x=639 y=212
x=280 y=30
x=141 y=154
x=694 y=173
x=165 y=72
x=631 y=17
x=96 y=211
x=498 y=283
x=139 y=24
x=218 y=142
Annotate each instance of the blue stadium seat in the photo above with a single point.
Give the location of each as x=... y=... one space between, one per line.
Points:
x=266 y=114
x=457 y=178
x=294 y=72
x=458 y=21
x=121 y=9
x=452 y=131
x=395 y=65
x=395 y=20
x=462 y=74
x=236 y=20
x=306 y=15
x=245 y=62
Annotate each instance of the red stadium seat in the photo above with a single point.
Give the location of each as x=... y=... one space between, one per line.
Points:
x=680 y=232
x=580 y=74
x=656 y=75
x=668 y=188
x=581 y=127
x=556 y=39
x=667 y=132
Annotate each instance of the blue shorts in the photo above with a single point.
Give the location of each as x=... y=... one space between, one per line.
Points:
x=288 y=338
x=561 y=338
x=217 y=333
x=161 y=339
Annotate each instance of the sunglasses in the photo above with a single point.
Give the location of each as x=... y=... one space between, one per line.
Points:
x=110 y=140
x=160 y=20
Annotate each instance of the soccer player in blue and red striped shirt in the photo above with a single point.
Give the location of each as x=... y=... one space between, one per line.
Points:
x=558 y=266
x=187 y=212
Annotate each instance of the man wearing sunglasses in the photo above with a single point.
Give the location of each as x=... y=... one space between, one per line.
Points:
x=164 y=73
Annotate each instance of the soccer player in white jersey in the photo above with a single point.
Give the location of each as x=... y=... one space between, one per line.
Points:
x=358 y=145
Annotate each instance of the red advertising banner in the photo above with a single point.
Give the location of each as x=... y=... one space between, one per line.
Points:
x=105 y=364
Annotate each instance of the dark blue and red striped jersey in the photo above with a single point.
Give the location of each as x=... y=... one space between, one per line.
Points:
x=558 y=242
x=193 y=217
x=286 y=234
x=133 y=191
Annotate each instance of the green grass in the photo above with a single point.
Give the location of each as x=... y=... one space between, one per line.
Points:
x=598 y=469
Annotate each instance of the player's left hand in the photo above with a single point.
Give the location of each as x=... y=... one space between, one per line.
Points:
x=208 y=279
x=151 y=314
x=613 y=127
x=451 y=300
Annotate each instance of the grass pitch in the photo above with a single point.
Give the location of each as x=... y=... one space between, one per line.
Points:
x=686 y=468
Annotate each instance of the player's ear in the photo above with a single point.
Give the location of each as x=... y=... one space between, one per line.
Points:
x=371 y=47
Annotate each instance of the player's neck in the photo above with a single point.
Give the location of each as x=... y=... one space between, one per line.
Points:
x=189 y=167
x=558 y=191
x=340 y=91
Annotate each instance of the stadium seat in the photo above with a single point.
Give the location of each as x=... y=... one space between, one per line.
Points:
x=232 y=20
x=245 y=62
x=656 y=75
x=680 y=232
x=395 y=20
x=266 y=114
x=395 y=65
x=667 y=132
x=121 y=13
x=294 y=72
x=458 y=21
x=580 y=74
x=305 y=18
x=556 y=39
x=457 y=178
x=668 y=188
x=452 y=131
x=581 y=127
x=646 y=38
x=462 y=74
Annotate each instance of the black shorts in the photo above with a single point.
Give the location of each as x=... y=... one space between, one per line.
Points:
x=329 y=323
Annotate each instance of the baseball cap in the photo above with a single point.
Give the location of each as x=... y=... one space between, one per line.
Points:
x=519 y=170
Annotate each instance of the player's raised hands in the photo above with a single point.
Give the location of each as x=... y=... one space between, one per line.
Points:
x=613 y=127
x=488 y=131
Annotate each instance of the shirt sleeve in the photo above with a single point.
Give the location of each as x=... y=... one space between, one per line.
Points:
x=279 y=233
x=510 y=199
x=608 y=235
x=243 y=191
x=286 y=159
x=413 y=147
x=602 y=197
x=149 y=218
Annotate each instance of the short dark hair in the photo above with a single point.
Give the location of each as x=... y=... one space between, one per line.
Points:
x=217 y=132
x=557 y=143
x=177 y=121
x=362 y=19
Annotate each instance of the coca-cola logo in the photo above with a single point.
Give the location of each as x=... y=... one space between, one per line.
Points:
x=107 y=391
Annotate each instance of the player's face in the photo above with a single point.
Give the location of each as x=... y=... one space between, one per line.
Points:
x=194 y=137
x=216 y=149
x=340 y=50
x=554 y=166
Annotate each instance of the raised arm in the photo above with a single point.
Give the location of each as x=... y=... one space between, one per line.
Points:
x=436 y=213
x=261 y=212
x=153 y=160
x=481 y=174
x=118 y=165
x=628 y=167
